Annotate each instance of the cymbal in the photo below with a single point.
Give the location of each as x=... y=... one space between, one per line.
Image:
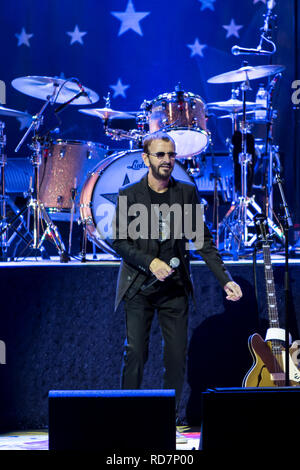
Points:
x=43 y=87
x=233 y=115
x=232 y=105
x=106 y=113
x=247 y=72
x=13 y=112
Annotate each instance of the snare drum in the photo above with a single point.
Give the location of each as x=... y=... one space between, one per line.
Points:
x=100 y=192
x=64 y=167
x=182 y=116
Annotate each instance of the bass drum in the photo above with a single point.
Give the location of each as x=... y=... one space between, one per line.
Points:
x=99 y=194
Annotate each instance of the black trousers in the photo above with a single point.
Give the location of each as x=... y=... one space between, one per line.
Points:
x=170 y=301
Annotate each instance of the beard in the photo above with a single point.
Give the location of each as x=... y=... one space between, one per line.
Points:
x=163 y=174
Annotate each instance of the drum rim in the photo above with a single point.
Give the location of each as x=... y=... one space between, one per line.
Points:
x=174 y=94
x=199 y=130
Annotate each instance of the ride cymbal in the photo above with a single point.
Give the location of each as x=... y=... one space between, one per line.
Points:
x=246 y=73
x=13 y=112
x=61 y=90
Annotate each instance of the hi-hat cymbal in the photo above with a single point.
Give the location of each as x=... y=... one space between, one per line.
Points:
x=247 y=72
x=232 y=105
x=61 y=89
x=13 y=112
x=106 y=113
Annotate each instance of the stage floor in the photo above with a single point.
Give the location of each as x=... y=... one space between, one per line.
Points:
x=187 y=438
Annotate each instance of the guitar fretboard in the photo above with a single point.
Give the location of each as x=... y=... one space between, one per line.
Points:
x=271 y=294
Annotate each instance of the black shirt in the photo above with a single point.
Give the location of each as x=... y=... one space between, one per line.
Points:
x=166 y=250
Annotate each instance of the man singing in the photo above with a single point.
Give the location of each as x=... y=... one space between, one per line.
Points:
x=146 y=281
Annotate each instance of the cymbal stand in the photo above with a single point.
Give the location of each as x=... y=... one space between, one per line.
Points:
x=244 y=159
x=39 y=212
x=215 y=175
x=238 y=219
x=73 y=199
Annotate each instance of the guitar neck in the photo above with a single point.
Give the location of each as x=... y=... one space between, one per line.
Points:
x=270 y=287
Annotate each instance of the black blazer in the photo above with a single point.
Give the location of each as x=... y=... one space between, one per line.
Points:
x=137 y=254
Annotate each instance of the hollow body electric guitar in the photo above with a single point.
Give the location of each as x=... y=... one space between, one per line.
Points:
x=268 y=369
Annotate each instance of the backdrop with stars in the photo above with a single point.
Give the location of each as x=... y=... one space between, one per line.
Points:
x=136 y=50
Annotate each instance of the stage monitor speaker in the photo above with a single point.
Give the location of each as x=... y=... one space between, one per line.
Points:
x=250 y=418
x=112 y=420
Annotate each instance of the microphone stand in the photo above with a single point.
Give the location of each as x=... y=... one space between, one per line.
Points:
x=64 y=105
x=287 y=225
x=236 y=50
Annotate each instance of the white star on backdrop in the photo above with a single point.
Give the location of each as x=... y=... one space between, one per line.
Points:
x=119 y=89
x=23 y=38
x=207 y=4
x=130 y=19
x=76 y=35
x=232 y=29
x=197 y=48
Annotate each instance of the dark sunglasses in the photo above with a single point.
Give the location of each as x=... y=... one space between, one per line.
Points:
x=161 y=155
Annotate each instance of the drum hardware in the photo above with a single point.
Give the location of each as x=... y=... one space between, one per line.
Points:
x=5 y=200
x=34 y=204
x=234 y=107
x=73 y=208
x=239 y=218
x=106 y=114
x=209 y=166
x=216 y=204
x=134 y=135
x=192 y=166
x=86 y=222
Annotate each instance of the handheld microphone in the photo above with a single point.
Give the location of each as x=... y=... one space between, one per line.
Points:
x=174 y=263
x=237 y=50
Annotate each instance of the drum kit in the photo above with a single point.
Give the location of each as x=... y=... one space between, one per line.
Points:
x=79 y=180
